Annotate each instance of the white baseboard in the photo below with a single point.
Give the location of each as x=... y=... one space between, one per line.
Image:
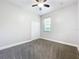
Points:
x=61 y=42
x=15 y=44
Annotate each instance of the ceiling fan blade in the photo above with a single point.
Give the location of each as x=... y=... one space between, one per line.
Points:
x=34 y=5
x=41 y=0
x=44 y=0
x=46 y=5
x=37 y=0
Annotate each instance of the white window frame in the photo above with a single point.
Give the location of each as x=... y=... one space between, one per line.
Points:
x=47 y=24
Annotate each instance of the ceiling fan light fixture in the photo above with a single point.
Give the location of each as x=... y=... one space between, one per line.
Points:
x=40 y=5
x=41 y=0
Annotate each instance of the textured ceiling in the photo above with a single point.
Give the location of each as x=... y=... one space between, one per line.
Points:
x=54 y=4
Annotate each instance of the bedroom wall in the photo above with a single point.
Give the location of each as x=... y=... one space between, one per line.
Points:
x=64 y=25
x=16 y=24
x=78 y=21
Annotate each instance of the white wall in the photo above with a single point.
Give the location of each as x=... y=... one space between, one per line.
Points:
x=78 y=21
x=78 y=18
x=15 y=23
x=64 y=25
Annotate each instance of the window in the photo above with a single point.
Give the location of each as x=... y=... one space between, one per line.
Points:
x=47 y=24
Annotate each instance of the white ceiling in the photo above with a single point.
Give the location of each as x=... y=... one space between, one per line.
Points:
x=54 y=4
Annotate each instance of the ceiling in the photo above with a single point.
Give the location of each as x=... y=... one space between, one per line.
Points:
x=54 y=4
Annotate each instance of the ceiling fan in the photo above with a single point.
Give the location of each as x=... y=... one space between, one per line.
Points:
x=40 y=4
